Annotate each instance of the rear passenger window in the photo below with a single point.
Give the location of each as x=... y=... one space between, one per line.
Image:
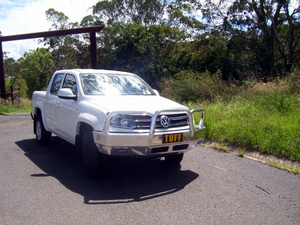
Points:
x=56 y=84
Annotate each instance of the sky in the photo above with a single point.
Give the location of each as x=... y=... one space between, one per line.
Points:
x=28 y=16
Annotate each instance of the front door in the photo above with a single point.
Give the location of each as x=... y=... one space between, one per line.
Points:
x=52 y=101
x=67 y=111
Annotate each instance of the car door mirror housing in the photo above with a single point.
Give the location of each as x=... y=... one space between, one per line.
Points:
x=66 y=93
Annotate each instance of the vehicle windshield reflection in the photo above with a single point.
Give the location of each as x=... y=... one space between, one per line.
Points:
x=114 y=84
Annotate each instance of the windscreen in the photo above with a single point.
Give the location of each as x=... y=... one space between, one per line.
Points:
x=114 y=84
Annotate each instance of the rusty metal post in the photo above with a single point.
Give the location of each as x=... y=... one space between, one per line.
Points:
x=94 y=61
x=2 y=76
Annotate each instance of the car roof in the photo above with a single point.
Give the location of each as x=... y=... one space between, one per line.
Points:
x=79 y=71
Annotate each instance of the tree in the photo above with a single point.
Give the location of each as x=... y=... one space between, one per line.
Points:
x=138 y=11
x=13 y=77
x=63 y=48
x=139 y=37
x=37 y=66
x=264 y=20
x=145 y=50
x=209 y=52
x=174 y=13
x=183 y=14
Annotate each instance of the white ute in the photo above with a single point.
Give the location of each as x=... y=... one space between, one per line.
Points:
x=113 y=113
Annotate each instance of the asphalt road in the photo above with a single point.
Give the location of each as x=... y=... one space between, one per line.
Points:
x=47 y=185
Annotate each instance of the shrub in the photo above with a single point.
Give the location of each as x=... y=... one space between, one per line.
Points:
x=294 y=82
x=189 y=86
x=264 y=117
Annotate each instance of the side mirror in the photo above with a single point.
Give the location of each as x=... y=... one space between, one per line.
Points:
x=66 y=93
x=156 y=92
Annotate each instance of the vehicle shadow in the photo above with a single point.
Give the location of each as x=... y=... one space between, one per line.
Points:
x=123 y=180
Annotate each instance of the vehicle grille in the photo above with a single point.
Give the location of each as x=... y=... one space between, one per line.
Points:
x=176 y=120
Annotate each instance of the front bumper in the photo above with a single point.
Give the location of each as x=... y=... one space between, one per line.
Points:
x=150 y=143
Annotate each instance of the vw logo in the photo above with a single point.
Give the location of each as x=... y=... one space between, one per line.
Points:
x=164 y=121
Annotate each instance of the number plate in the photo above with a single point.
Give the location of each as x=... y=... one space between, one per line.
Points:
x=170 y=138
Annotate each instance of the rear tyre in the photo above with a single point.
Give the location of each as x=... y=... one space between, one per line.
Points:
x=174 y=159
x=43 y=137
x=92 y=158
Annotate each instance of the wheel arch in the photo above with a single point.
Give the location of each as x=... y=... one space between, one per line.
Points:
x=81 y=128
x=87 y=121
x=37 y=112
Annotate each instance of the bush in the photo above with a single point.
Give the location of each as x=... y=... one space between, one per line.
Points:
x=294 y=82
x=189 y=86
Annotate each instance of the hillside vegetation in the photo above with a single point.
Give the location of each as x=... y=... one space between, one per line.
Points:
x=255 y=116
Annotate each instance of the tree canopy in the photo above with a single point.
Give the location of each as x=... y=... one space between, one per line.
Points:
x=159 y=39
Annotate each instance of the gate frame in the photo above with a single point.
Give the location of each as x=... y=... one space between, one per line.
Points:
x=92 y=30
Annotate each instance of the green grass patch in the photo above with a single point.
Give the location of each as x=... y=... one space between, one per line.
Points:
x=22 y=106
x=267 y=121
x=219 y=147
x=293 y=169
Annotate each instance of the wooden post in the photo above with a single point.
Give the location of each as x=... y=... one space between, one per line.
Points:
x=12 y=94
x=2 y=76
x=93 y=42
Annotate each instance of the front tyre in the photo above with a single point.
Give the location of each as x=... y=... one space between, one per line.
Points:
x=174 y=159
x=43 y=137
x=92 y=158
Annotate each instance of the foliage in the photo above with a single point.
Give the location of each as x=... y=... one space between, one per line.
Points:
x=13 y=78
x=263 y=117
x=169 y=42
x=187 y=86
x=59 y=19
x=64 y=49
x=209 y=52
x=36 y=68
x=138 y=11
x=182 y=14
x=139 y=49
x=294 y=82
x=272 y=26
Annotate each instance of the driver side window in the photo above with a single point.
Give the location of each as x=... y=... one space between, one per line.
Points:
x=70 y=82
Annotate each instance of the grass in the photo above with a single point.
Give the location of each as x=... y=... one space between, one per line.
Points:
x=219 y=147
x=241 y=153
x=264 y=117
x=7 y=107
x=293 y=169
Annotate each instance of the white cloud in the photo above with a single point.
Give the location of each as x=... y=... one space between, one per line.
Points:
x=28 y=16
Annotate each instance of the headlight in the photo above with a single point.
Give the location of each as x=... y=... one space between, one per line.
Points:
x=122 y=121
